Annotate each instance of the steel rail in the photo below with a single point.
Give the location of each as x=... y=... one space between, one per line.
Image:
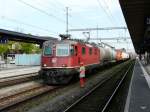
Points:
x=24 y=96
x=116 y=89
x=17 y=79
x=87 y=94
x=16 y=76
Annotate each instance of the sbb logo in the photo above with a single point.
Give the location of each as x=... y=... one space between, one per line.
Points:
x=54 y=60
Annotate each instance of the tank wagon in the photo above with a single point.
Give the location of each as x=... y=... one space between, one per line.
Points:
x=61 y=60
x=107 y=53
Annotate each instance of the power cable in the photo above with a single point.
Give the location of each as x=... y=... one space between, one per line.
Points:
x=52 y=7
x=108 y=8
x=42 y=11
x=55 y=5
x=23 y=23
x=101 y=6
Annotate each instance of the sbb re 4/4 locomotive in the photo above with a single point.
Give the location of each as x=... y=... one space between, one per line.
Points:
x=61 y=59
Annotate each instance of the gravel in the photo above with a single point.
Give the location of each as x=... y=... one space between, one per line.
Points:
x=61 y=102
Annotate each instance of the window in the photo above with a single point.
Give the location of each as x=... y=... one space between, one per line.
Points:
x=90 y=51
x=72 y=50
x=47 y=51
x=62 y=50
x=76 y=50
x=83 y=50
x=95 y=52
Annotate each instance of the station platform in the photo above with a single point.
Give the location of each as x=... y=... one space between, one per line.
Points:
x=138 y=99
x=13 y=70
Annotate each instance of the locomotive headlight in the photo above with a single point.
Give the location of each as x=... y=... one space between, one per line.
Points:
x=44 y=65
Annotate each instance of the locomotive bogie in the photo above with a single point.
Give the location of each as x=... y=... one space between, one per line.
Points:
x=57 y=76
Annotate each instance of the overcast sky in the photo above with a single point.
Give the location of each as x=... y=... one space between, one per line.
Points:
x=48 y=17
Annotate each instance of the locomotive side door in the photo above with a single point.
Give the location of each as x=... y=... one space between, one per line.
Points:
x=76 y=55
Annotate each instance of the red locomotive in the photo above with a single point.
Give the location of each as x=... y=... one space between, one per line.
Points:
x=61 y=59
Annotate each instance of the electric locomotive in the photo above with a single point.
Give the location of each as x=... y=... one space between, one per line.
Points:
x=61 y=59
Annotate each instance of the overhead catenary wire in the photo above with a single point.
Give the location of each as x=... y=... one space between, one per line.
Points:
x=26 y=24
x=63 y=6
x=109 y=11
x=44 y=6
x=22 y=30
x=51 y=6
x=105 y=11
x=45 y=12
x=55 y=5
x=100 y=28
x=42 y=11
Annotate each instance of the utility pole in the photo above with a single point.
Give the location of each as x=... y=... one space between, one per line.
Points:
x=67 y=20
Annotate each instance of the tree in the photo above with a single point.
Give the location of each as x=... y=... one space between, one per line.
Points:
x=16 y=47
x=30 y=48
x=3 y=48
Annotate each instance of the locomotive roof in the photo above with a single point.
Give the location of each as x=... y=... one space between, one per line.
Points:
x=72 y=41
x=69 y=41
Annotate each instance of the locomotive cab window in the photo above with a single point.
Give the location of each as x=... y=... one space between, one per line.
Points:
x=47 y=51
x=62 y=50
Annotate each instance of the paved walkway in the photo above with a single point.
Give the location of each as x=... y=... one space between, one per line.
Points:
x=138 y=99
x=13 y=70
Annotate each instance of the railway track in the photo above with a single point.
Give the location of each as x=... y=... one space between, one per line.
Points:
x=12 y=80
x=31 y=92
x=22 y=95
x=116 y=89
x=99 y=98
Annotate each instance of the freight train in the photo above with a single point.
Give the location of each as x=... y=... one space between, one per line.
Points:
x=61 y=60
